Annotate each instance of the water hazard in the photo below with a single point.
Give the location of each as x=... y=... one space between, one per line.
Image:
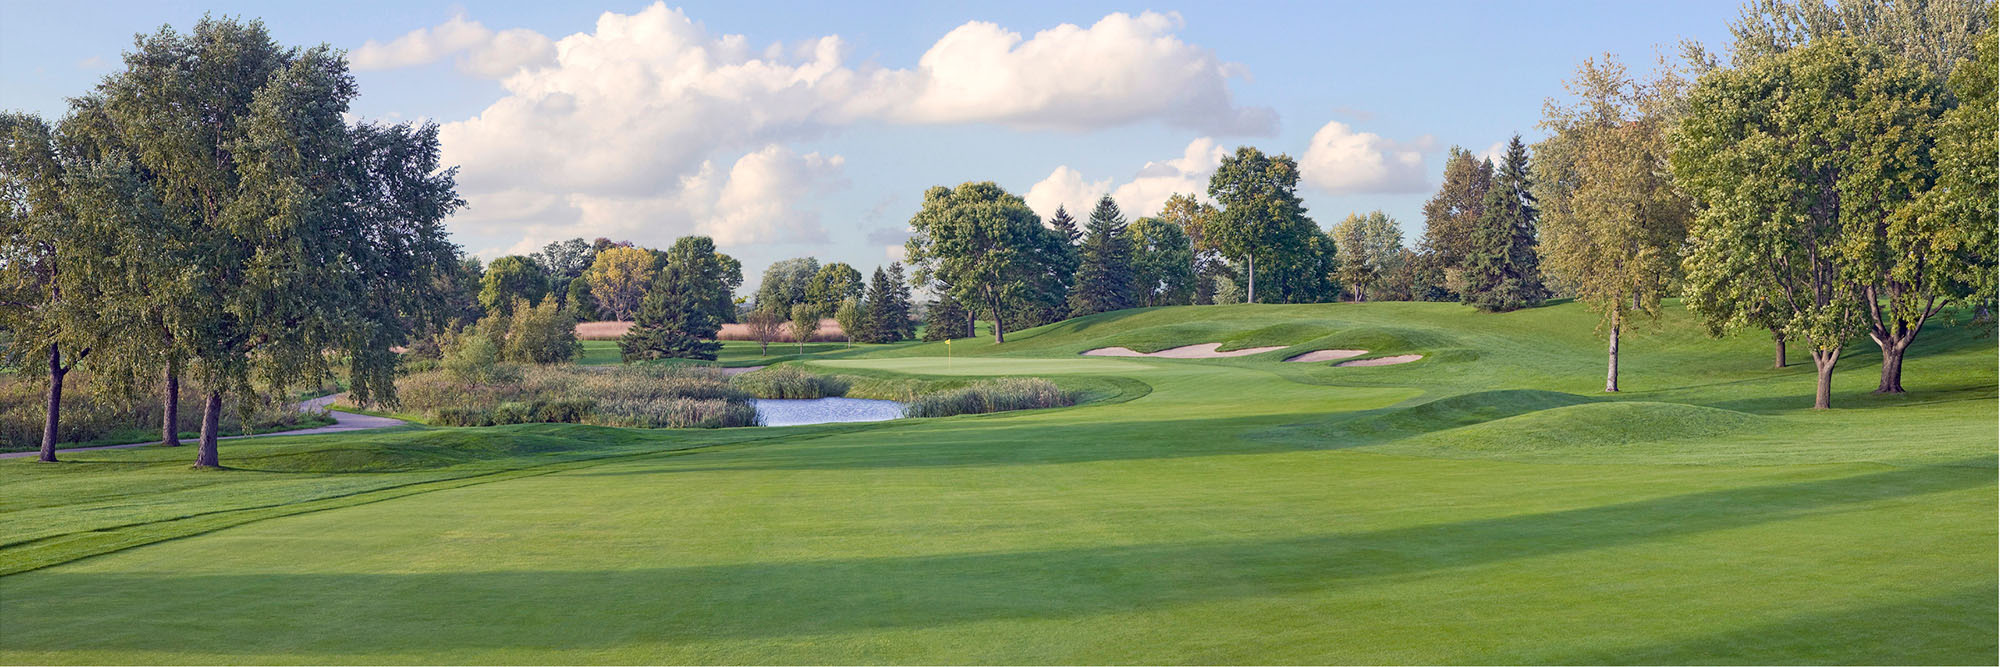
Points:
x=797 y=411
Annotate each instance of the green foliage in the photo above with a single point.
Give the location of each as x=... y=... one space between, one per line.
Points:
x=888 y=308
x=1502 y=269
x=1797 y=160
x=1262 y=223
x=832 y=285
x=543 y=334
x=786 y=283
x=679 y=317
x=1162 y=264
x=805 y=323
x=853 y=318
x=1370 y=248
x=1104 y=273
x=986 y=247
x=509 y=280
x=944 y=319
x=1450 y=216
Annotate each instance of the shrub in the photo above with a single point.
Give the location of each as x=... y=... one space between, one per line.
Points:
x=991 y=396
x=789 y=382
x=543 y=334
x=93 y=412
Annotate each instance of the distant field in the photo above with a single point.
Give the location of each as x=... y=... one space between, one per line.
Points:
x=1487 y=504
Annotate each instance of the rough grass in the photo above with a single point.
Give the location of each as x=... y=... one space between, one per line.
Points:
x=1489 y=505
x=92 y=416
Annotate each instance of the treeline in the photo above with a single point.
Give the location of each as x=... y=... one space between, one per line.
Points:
x=1836 y=178
x=208 y=213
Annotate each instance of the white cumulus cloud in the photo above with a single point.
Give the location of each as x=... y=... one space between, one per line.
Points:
x=1142 y=196
x=481 y=51
x=1342 y=161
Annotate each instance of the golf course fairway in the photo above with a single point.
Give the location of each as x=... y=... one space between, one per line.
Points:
x=1485 y=504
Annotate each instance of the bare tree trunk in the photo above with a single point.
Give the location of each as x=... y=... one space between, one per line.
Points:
x=170 y=424
x=1824 y=360
x=211 y=424
x=999 y=328
x=1892 y=368
x=56 y=373
x=1253 y=280
x=1779 y=339
x=1611 y=371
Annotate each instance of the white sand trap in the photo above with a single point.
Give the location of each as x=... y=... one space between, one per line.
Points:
x=1197 y=351
x=1383 y=361
x=1327 y=355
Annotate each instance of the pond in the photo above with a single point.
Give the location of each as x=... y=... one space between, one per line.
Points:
x=797 y=411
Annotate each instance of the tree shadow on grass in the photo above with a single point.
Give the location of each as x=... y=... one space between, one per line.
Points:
x=430 y=614
x=1905 y=632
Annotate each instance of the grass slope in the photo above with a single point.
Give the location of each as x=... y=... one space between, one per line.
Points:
x=1483 y=505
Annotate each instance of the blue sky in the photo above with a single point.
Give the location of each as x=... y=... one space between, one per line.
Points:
x=660 y=123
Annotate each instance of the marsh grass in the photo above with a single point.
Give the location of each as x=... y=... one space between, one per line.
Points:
x=643 y=395
x=998 y=395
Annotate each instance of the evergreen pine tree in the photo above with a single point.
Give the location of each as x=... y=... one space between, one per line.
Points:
x=676 y=319
x=899 y=304
x=945 y=319
x=1104 y=276
x=1501 y=269
x=880 y=327
x=1061 y=222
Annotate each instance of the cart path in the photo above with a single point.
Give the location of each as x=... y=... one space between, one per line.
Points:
x=342 y=422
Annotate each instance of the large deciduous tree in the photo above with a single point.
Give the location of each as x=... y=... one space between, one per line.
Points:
x=984 y=246
x=510 y=278
x=1104 y=263
x=1612 y=219
x=1801 y=161
x=1370 y=246
x=785 y=283
x=1261 y=217
x=1162 y=264
x=834 y=283
x=618 y=278
x=1197 y=219
x=302 y=239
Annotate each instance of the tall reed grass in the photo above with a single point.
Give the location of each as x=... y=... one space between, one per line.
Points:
x=93 y=415
x=646 y=395
x=997 y=395
x=789 y=382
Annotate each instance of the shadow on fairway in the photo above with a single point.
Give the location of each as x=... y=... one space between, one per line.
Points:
x=1881 y=634
x=426 y=614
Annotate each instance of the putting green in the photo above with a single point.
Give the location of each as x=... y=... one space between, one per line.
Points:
x=1486 y=506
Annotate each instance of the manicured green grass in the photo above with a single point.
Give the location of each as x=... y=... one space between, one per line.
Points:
x=1483 y=505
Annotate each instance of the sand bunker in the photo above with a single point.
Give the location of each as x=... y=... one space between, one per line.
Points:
x=1198 y=351
x=1327 y=355
x=1383 y=361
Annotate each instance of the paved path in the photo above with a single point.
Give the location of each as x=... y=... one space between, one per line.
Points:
x=342 y=422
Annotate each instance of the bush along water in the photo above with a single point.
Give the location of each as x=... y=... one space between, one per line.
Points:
x=991 y=396
x=647 y=396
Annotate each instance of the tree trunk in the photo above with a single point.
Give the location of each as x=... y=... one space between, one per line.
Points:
x=170 y=424
x=1611 y=370
x=1253 y=280
x=211 y=423
x=999 y=328
x=1892 y=368
x=1824 y=360
x=56 y=373
x=1779 y=339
